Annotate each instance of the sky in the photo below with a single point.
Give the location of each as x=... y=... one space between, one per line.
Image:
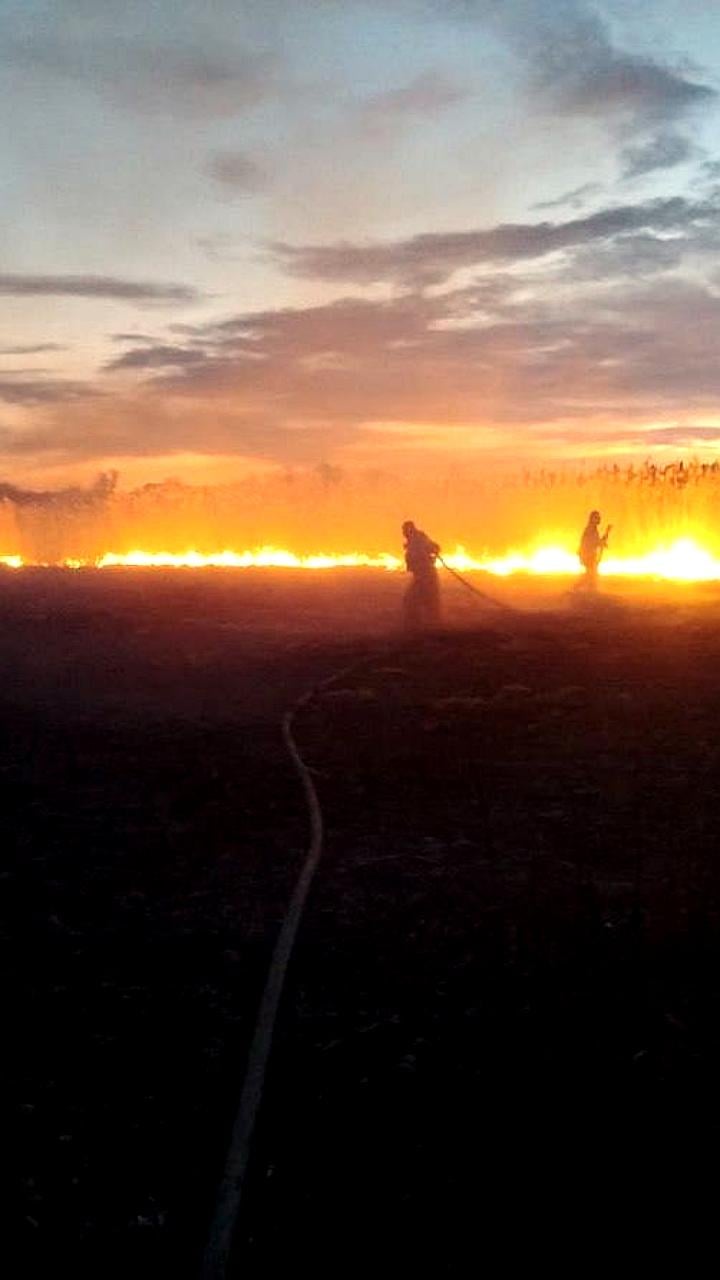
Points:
x=243 y=237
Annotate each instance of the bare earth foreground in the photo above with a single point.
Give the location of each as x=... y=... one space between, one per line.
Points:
x=503 y=1010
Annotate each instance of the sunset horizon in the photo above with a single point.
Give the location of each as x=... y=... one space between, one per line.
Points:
x=407 y=236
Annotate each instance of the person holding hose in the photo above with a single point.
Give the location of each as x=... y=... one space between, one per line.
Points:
x=421 y=605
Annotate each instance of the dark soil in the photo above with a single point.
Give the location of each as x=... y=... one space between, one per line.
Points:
x=508 y=979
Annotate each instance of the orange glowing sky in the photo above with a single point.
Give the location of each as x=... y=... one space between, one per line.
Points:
x=244 y=238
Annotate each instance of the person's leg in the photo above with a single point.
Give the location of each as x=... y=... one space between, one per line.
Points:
x=411 y=610
x=432 y=603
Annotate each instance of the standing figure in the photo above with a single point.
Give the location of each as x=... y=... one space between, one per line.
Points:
x=592 y=545
x=422 y=598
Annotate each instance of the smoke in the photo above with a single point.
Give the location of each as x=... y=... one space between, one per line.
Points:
x=65 y=498
x=42 y=525
x=336 y=511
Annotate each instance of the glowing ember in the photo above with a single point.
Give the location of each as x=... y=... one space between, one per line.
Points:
x=683 y=560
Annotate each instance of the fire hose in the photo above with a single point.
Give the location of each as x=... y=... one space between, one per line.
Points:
x=229 y=1197
x=499 y=604
x=230 y=1193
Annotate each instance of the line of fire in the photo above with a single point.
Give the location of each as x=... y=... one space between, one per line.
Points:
x=664 y=521
x=683 y=560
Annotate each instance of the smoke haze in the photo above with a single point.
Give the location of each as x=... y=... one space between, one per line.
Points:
x=330 y=510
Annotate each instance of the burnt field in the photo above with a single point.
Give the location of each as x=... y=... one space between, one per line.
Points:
x=508 y=975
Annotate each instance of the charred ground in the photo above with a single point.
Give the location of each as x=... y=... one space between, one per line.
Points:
x=509 y=967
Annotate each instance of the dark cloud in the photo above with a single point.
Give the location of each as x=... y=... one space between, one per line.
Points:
x=664 y=151
x=39 y=391
x=296 y=384
x=186 y=79
x=576 y=68
x=430 y=258
x=575 y=198
x=598 y=80
x=38 y=349
x=711 y=170
x=237 y=172
x=636 y=349
x=156 y=357
x=132 y=337
x=22 y=285
x=626 y=258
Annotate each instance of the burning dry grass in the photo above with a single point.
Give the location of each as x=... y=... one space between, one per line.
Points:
x=664 y=522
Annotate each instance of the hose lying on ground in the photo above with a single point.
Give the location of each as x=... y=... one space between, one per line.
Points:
x=230 y=1193
x=499 y=604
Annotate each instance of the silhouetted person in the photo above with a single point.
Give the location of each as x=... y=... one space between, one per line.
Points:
x=422 y=598
x=592 y=545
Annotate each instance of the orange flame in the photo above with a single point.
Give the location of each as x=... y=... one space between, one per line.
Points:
x=683 y=560
x=263 y=558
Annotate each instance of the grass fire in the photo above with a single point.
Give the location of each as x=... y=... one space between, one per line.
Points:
x=665 y=523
